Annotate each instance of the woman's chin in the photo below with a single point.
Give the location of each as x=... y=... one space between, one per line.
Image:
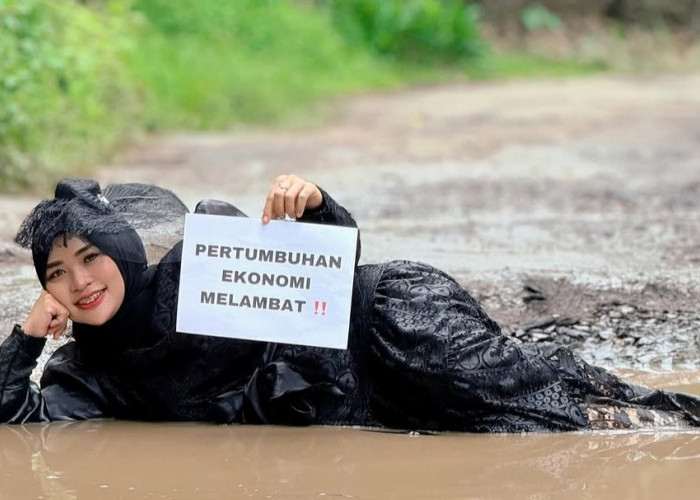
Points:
x=89 y=321
x=97 y=315
x=92 y=318
x=92 y=323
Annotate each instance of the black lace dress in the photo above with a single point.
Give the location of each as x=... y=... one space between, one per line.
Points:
x=422 y=355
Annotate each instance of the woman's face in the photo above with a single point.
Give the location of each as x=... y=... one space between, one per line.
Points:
x=86 y=281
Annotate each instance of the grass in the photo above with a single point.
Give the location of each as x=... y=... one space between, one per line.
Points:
x=260 y=62
x=202 y=85
x=507 y=65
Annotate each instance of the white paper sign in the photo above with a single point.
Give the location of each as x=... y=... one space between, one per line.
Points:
x=282 y=282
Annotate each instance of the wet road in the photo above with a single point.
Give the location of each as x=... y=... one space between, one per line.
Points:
x=571 y=209
x=571 y=204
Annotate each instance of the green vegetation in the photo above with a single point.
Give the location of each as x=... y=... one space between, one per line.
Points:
x=64 y=92
x=79 y=77
x=209 y=64
x=539 y=18
x=524 y=65
x=411 y=30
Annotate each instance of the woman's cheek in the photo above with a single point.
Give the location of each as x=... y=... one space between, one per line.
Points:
x=58 y=291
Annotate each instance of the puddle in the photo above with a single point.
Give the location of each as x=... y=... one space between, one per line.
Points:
x=114 y=460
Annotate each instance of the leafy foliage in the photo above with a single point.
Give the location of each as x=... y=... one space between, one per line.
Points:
x=78 y=77
x=64 y=95
x=209 y=64
x=414 y=30
x=539 y=18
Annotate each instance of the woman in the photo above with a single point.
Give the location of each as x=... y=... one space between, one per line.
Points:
x=421 y=355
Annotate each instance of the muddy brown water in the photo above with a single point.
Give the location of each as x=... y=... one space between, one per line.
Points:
x=122 y=460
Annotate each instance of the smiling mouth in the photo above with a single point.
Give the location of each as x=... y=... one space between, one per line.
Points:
x=91 y=301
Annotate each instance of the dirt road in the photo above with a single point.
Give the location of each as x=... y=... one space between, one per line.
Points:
x=570 y=208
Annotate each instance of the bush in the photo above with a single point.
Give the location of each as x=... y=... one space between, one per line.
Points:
x=64 y=95
x=538 y=18
x=77 y=77
x=210 y=64
x=412 y=30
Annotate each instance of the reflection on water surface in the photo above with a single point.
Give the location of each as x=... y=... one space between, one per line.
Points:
x=127 y=460
x=113 y=460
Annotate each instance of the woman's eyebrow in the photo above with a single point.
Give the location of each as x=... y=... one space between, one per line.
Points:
x=85 y=248
x=59 y=262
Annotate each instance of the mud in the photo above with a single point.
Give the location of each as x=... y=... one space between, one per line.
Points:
x=118 y=460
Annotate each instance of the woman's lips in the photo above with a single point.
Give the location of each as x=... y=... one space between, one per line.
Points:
x=91 y=301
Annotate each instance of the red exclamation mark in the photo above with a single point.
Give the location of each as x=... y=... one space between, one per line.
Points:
x=316 y=307
x=324 y=307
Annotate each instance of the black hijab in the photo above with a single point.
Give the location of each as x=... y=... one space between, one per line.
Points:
x=80 y=210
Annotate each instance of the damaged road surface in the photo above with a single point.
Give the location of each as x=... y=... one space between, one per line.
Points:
x=569 y=208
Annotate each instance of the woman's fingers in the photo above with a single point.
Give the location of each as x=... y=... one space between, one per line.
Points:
x=274 y=203
x=303 y=198
x=279 y=196
x=59 y=317
x=47 y=317
x=290 y=195
x=267 y=209
x=58 y=322
x=56 y=309
x=57 y=330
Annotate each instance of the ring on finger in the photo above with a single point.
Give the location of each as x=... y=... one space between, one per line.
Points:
x=283 y=186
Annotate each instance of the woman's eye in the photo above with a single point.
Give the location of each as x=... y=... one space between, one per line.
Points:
x=91 y=256
x=55 y=274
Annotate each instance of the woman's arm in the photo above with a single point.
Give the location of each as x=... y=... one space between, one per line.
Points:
x=328 y=212
x=20 y=399
x=69 y=391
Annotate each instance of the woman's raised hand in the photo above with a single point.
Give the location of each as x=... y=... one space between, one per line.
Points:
x=290 y=195
x=47 y=317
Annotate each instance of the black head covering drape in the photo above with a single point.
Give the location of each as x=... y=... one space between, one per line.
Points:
x=80 y=209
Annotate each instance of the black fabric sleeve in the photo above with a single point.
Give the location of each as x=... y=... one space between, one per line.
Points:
x=330 y=212
x=20 y=398
x=68 y=390
x=71 y=390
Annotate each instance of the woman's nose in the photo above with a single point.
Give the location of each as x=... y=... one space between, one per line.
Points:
x=81 y=279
